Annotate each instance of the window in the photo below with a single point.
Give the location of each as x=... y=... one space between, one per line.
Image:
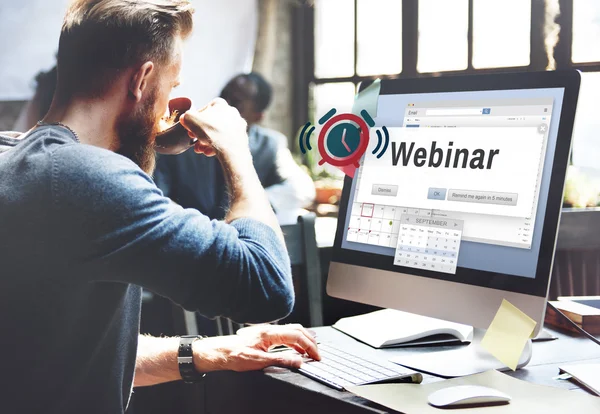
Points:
x=501 y=33
x=586 y=145
x=334 y=34
x=357 y=40
x=379 y=36
x=353 y=40
x=586 y=31
x=443 y=29
x=585 y=55
x=332 y=95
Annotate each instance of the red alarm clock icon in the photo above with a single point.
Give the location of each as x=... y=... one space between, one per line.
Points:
x=344 y=138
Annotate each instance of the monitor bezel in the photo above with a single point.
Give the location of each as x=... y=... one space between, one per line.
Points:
x=538 y=286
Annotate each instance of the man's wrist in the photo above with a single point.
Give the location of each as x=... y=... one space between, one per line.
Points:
x=206 y=356
x=235 y=161
x=239 y=172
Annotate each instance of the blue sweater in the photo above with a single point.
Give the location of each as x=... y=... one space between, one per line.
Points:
x=81 y=230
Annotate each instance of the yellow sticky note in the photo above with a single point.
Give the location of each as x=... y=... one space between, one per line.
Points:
x=508 y=333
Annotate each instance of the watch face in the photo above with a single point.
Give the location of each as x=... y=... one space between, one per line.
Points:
x=343 y=140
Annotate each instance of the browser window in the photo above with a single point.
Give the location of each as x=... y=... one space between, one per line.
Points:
x=468 y=161
x=475 y=160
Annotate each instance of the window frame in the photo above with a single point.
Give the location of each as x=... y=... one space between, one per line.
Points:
x=304 y=44
x=303 y=29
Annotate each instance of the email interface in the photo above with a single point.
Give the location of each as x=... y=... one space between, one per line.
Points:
x=462 y=183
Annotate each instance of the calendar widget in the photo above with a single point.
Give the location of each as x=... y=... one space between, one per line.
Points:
x=428 y=243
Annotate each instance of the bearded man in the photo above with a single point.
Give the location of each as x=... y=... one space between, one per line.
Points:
x=84 y=228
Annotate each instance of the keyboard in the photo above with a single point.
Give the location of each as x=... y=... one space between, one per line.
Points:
x=340 y=369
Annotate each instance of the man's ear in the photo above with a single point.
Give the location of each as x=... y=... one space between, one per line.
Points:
x=259 y=117
x=139 y=80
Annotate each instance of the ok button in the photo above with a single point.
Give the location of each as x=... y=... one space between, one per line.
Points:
x=436 y=193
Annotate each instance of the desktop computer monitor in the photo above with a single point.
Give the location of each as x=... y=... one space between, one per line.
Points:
x=461 y=208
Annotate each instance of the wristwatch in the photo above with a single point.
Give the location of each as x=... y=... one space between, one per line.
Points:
x=185 y=359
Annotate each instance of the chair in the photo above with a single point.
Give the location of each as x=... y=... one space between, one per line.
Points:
x=300 y=239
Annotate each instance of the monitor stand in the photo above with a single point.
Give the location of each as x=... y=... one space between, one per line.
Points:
x=460 y=361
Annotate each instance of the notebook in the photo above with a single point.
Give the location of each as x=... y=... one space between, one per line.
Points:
x=593 y=301
x=587 y=375
x=391 y=328
x=587 y=317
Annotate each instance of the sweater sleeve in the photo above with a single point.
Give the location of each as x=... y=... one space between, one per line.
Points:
x=121 y=228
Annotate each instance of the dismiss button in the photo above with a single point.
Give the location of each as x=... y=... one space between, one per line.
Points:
x=385 y=190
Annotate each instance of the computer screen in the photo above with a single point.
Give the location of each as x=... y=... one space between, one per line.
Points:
x=462 y=182
x=475 y=166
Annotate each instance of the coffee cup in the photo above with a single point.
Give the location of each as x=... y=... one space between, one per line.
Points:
x=175 y=139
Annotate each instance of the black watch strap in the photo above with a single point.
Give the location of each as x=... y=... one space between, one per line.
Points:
x=185 y=359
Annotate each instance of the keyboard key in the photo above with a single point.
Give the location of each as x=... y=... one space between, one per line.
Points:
x=323 y=367
x=339 y=360
x=350 y=378
x=399 y=370
x=332 y=374
x=341 y=371
x=387 y=372
x=363 y=377
x=317 y=371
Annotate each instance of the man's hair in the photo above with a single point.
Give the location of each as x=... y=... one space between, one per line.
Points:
x=253 y=86
x=100 y=38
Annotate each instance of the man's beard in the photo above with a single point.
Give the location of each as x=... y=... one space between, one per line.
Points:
x=137 y=134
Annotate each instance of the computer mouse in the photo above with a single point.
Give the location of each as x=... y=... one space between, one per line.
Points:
x=463 y=395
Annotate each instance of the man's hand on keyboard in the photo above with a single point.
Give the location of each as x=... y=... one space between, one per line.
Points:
x=248 y=350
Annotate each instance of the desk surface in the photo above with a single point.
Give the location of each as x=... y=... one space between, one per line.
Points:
x=281 y=390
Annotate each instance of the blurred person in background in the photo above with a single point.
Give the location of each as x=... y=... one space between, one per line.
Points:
x=198 y=182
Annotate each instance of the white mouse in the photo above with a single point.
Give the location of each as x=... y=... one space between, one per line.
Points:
x=466 y=395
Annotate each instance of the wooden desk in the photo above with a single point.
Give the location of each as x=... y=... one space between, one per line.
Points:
x=279 y=390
